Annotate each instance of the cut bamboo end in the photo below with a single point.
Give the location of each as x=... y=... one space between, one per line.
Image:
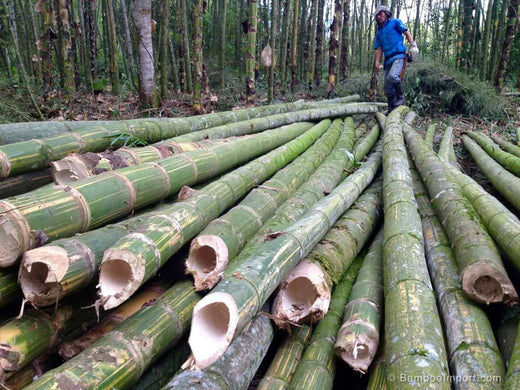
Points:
x=213 y=326
x=121 y=273
x=304 y=296
x=185 y=193
x=70 y=169
x=357 y=350
x=207 y=260
x=14 y=234
x=485 y=284
x=41 y=271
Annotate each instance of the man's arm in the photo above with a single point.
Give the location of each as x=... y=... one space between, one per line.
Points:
x=408 y=36
x=378 y=55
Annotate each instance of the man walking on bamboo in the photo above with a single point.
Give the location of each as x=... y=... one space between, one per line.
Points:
x=389 y=41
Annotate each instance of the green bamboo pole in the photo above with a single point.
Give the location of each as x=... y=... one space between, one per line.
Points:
x=507 y=160
x=304 y=294
x=118 y=359
x=513 y=369
x=377 y=380
x=147 y=294
x=430 y=134
x=288 y=356
x=26 y=222
x=473 y=351
x=357 y=341
x=446 y=152
x=20 y=157
x=517 y=132
x=507 y=146
x=9 y=289
x=225 y=236
x=501 y=224
x=134 y=258
x=24 y=338
x=237 y=366
x=248 y=283
x=413 y=333
x=482 y=273
x=507 y=184
x=505 y=332
x=19 y=184
x=318 y=366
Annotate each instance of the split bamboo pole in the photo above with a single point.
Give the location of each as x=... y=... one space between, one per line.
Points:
x=482 y=273
x=318 y=366
x=28 y=221
x=225 y=236
x=474 y=356
x=507 y=184
x=133 y=259
x=507 y=146
x=357 y=341
x=237 y=366
x=287 y=358
x=505 y=159
x=37 y=154
x=118 y=359
x=304 y=295
x=248 y=283
x=406 y=280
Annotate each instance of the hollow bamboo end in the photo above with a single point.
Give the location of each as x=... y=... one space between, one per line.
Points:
x=485 y=284
x=14 y=234
x=359 y=350
x=304 y=296
x=69 y=169
x=207 y=261
x=215 y=319
x=121 y=273
x=185 y=193
x=41 y=271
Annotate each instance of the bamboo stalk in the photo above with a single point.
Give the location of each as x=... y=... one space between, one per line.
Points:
x=357 y=341
x=225 y=236
x=304 y=295
x=512 y=380
x=507 y=160
x=133 y=259
x=25 y=221
x=482 y=273
x=378 y=376
x=9 y=289
x=446 y=152
x=473 y=351
x=286 y=360
x=31 y=155
x=507 y=146
x=249 y=282
x=507 y=184
x=430 y=134
x=406 y=280
x=119 y=358
x=237 y=366
x=17 y=185
x=318 y=366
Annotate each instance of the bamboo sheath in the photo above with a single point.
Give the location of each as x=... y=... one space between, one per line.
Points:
x=9 y=289
x=237 y=366
x=24 y=338
x=507 y=146
x=505 y=159
x=407 y=283
x=248 y=283
x=28 y=221
x=318 y=365
x=502 y=224
x=357 y=341
x=134 y=258
x=304 y=295
x=225 y=236
x=118 y=359
x=482 y=273
x=473 y=351
x=507 y=184
x=286 y=360
x=37 y=154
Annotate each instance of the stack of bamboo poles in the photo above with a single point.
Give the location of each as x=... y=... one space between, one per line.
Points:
x=283 y=230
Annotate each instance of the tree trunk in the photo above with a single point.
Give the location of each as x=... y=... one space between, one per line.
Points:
x=44 y=7
x=294 y=47
x=273 y=36
x=344 y=60
x=222 y=53
x=87 y=73
x=128 y=42
x=319 y=43
x=512 y=16
x=333 y=46
x=312 y=49
x=142 y=15
x=285 y=41
x=184 y=48
x=175 y=66
x=110 y=35
x=198 y=14
x=251 y=52
x=467 y=34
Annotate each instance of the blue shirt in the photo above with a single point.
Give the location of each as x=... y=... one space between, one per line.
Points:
x=390 y=38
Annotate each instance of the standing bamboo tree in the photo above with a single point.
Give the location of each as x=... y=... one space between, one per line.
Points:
x=127 y=41
x=319 y=43
x=294 y=58
x=512 y=16
x=67 y=70
x=184 y=47
x=142 y=15
x=312 y=43
x=334 y=45
x=44 y=8
x=198 y=14
x=345 y=36
x=285 y=41
x=274 y=33
x=251 y=52
x=163 y=46
x=110 y=36
x=223 y=46
x=87 y=73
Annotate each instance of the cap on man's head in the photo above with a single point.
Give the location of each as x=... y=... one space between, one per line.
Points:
x=383 y=8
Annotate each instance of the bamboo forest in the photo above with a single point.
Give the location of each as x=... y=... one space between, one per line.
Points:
x=259 y=194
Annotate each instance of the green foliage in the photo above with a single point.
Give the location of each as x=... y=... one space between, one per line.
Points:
x=125 y=139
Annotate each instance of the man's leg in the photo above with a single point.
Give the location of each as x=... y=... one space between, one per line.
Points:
x=393 y=81
x=389 y=91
